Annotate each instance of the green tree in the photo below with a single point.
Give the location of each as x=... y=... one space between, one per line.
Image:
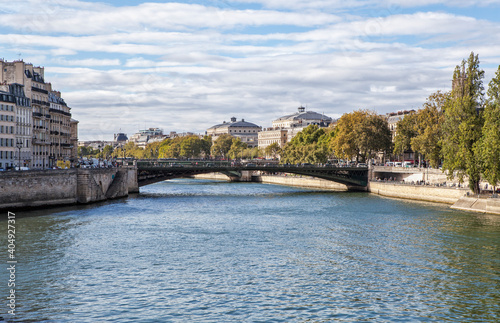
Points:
x=237 y=147
x=489 y=146
x=251 y=153
x=190 y=147
x=374 y=135
x=360 y=134
x=272 y=150
x=462 y=127
x=311 y=145
x=406 y=130
x=107 y=151
x=206 y=145
x=170 y=148
x=222 y=145
x=152 y=150
x=428 y=128
x=83 y=151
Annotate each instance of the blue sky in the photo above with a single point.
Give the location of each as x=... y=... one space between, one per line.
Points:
x=187 y=65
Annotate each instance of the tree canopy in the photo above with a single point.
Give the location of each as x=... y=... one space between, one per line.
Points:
x=463 y=121
x=187 y=147
x=360 y=134
x=489 y=145
x=308 y=146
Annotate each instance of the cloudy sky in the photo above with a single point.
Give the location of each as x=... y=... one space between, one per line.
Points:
x=187 y=65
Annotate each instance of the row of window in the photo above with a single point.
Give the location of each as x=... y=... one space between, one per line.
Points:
x=7 y=129
x=6 y=142
x=6 y=154
x=240 y=131
x=5 y=107
x=6 y=118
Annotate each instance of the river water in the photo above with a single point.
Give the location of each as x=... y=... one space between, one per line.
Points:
x=205 y=251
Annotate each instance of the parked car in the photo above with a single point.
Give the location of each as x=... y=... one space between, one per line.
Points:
x=407 y=164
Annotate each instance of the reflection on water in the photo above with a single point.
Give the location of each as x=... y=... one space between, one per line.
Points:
x=202 y=251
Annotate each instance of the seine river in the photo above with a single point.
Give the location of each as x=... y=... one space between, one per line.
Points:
x=205 y=251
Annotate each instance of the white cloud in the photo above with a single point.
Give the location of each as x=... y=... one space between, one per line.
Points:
x=186 y=67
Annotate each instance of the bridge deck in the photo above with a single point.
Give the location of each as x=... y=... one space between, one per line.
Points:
x=149 y=173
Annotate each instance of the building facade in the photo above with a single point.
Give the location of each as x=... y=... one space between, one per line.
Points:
x=74 y=138
x=143 y=137
x=273 y=135
x=48 y=116
x=24 y=124
x=61 y=146
x=7 y=129
x=246 y=131
x=287 y=127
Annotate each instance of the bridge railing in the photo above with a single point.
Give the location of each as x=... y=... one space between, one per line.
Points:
x=182 y=163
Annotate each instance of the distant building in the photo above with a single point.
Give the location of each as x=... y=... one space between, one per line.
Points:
x=119 y=139
x=143 y=137
x=246 y=131
x=394 y=117
x=287 y=127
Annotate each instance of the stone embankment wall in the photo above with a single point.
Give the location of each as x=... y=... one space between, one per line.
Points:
x=418 y=192
x=36 y=188
x=69 y=186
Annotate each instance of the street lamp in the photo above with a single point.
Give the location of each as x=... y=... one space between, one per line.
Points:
x=19 y=145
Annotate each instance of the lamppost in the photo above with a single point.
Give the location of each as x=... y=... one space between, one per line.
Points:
x=19 y=145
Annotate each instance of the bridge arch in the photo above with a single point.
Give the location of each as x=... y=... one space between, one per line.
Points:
x=354 y=178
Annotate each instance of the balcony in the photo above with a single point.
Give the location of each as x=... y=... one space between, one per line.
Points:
x=39 y=90
x=60 y=112
x=40 y=102
x=40 y=142
x=38 y=114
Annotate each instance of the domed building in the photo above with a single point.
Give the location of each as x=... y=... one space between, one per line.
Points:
x=120 y=139
x=286 y=127
x=246 y=131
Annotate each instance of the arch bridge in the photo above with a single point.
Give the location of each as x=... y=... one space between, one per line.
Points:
x=149 y=172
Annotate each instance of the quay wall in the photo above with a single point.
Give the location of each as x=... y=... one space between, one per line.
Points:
x=37 y=188
x=418 y=192
x=41 y=188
